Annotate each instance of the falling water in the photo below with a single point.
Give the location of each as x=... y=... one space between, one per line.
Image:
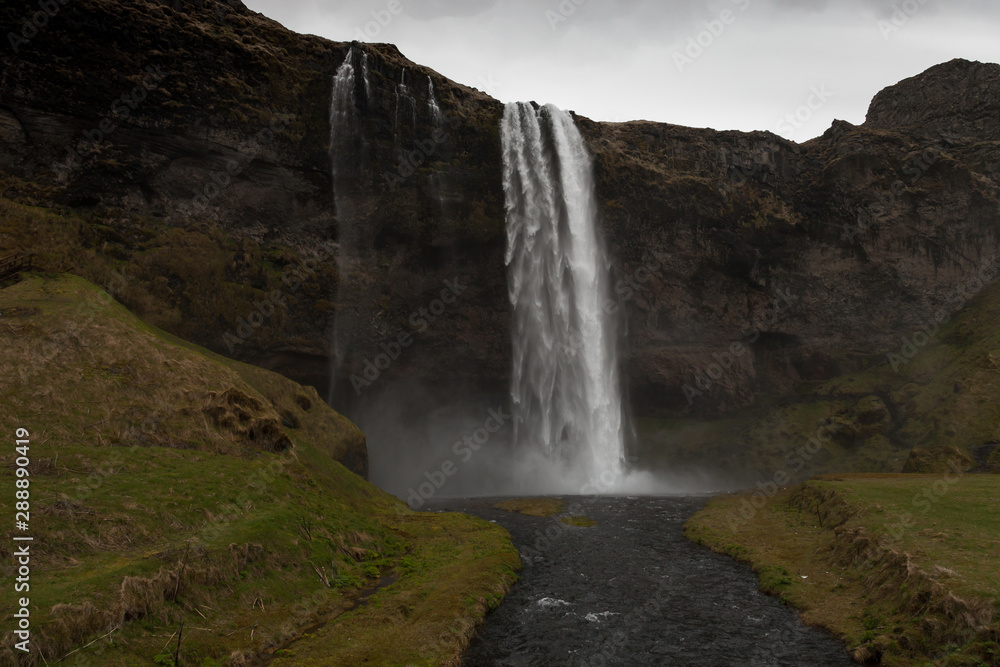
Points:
x=364 y=73
x=345 y=154
x=405 y=104
x=564 y=384
x=432 y=103
x=343 y=111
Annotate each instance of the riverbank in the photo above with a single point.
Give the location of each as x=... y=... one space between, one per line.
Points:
x=903 y=568
x=629 y=589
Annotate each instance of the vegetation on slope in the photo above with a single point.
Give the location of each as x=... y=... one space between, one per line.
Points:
x=937 y=390
x=194 y=280
x=901 y=567
x=170 y=485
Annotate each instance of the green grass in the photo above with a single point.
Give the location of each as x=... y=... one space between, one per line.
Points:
x=167 y=486
x=579 y=521
x=901 y=567
x=948 y=521
x=532 y=506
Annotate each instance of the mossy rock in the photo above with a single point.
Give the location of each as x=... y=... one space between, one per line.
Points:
x=932 y=460
x=579 y=521
x=871 y=410
x=866 y=418
x=541 y=507
x=993 y=462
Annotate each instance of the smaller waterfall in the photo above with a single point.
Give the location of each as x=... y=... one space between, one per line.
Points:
x=346 y=166
x=367 y=78
x=435 y=109
x=405 y=119
x=342 y=113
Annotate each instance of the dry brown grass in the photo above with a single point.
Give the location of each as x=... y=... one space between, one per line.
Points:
x=247 y=418
x=350 y=544
x=188 y=583
x=120 y=362
x=139 y=597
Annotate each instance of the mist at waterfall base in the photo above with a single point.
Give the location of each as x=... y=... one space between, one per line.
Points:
x=560 y=427
x=426 y=443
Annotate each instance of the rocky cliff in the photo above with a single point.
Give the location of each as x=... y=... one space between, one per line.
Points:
x=187 y=145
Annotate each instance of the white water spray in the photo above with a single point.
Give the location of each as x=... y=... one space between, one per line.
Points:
x=343 y=112
x=367 y=78
x=565 y=383
x=432 y=103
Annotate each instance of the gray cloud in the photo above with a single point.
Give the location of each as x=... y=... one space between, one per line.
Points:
x=429 y=10
x=728 y=64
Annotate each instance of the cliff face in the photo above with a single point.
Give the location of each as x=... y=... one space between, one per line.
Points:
x=193 y=139
x=745 y=263
x=958 y=99
x=808 y=258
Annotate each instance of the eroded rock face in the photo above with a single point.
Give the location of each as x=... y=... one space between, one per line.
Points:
x=939 y=460
x=806 y=257
x=956 y=99
x=745 y=263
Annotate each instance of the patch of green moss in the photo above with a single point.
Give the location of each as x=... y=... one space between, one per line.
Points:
x=196 y=281
x=532 y=506
x=865 y=421
x=580 y=521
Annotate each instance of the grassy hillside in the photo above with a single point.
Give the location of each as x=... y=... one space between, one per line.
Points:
x=192 y=279
x=172 y=486
x=939 y=388
x=902 y=567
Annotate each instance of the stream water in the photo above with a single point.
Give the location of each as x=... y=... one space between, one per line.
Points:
x=631 y=591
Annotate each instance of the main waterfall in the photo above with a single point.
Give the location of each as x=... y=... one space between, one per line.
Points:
x=565 y=385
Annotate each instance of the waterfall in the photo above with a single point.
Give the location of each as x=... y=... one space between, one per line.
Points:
x=367 y=78
x=564 y=383
x=346 y=166
x=404 y=103
x=437 y=181
x=432 y=103
x=343 y=112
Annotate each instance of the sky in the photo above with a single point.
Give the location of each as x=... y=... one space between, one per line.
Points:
x=787 y=66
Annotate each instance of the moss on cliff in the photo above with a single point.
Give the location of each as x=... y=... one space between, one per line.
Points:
x=938 y=392
x=197 y=281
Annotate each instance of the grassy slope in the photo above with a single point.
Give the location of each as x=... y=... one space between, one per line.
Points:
x=163 y=489
x=194 y=280
x=902 y=567
x=944 y=395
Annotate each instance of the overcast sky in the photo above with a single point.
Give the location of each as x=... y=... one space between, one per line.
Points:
x=725 y=64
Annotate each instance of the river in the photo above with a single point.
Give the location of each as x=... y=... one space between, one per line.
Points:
x=631 y=591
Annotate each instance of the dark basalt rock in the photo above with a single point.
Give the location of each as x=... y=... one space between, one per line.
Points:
x=811 y=256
